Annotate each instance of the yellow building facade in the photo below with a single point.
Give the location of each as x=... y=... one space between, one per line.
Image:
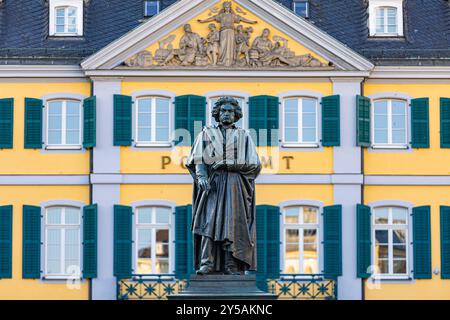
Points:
x=355 y=189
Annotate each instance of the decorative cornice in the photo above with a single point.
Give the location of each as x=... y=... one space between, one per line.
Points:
x=41 y=71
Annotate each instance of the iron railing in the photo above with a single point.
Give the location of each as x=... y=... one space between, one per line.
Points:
x=286 y=287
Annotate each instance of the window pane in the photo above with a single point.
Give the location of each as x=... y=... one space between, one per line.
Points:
x=162 y=215
x=291 y=106
x=72 y=243
x=144 y=262
x=381 y=236
x=292 y=235
x=144 y=134
x=383 y=266
x=162 y=243
x=381 y=251
x=399 y=215
x=60 y=12
x=145 y=215
x=291 y=120
x=381 y=121
x=144 y=105
x=309 y=135
x=162 y=266
x=310 y=215
x=151 y=8
x=292 y=259
x=301 y=8
x=162 y=105
x=399 y=251
x=380 y=107
x=382 y=216
x=54 y=216
x=53 y=251
x=309 y=106
x=381 y=136
x=144 y=120
x=291 y=215
x=72 y=11
x=399 y=236
x=380 y=20
x=162 y=134
x=72 y=216
x=291 y=135
x=399 y=266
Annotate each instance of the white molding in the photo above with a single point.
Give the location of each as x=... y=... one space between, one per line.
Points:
x=41 y=71
x=185 y=10
x=416 y=72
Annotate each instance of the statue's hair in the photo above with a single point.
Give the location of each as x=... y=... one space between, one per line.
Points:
x=227 y=100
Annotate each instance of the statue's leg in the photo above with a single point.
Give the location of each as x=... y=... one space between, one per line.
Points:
x=232 y=266
x=207 y=256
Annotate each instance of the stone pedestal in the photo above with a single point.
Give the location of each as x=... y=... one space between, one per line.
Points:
x=222 y=287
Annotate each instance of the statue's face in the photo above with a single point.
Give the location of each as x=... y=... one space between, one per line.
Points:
x=187 y=28
x=227 y=6
x=266 y=33
x=227 y=116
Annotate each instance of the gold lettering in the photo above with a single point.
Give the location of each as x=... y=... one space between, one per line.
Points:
x=288 y=162
x=165 y=161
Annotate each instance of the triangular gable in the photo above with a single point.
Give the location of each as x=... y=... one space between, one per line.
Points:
x=161 y=41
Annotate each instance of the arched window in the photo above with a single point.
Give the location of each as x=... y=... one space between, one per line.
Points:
x=153 y=120
x=153 y=240
x=66 y=20
x=386 y=18
x=300 y=120
x=62 y=242
x=241 y=123
x=389 y=122
x=64 y=123
x=301 y=240
x=390 y=241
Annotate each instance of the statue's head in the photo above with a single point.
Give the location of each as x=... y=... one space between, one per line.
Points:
x=187 y=28
x=212 y=27
x=266 y=33
x=227 y=6
x=227 y=111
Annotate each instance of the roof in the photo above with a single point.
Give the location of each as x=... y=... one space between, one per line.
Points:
x=24 y=30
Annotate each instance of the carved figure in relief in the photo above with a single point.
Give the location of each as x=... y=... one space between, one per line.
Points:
x=243 y=44
x=213 y=40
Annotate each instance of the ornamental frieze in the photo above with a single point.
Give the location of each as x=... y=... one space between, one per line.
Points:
x=228 y=44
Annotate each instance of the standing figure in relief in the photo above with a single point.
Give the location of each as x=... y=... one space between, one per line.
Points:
x=213 y=40
x=242 y=43
x=227 y=19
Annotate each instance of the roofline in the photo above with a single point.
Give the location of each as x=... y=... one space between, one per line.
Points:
x=41 y=71
x=413 y=72
x=185 y=10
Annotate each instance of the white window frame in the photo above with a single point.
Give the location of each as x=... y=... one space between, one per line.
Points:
x=53 y=5
x=300 y=226
x=374 y=5
x=389 y=144
x=307 y=7
x=153 y=143
x=153 y=226
x=299 y=142
x=158 y=10
x=209 y=118
x=63 y=144
x=62 y=227
x=390 y=227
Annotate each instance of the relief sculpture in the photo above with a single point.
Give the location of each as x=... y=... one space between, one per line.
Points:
x=228 y=44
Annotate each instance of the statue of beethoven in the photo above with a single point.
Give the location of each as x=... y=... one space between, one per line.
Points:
x=224 y=164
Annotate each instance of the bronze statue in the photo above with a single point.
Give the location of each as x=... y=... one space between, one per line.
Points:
x=227 y=19
x=224 y=164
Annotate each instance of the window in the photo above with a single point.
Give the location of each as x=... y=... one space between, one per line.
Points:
x=390 y=241
x=153 y=120
x=389 y=123
x=300 y=121
x=241 y=123
x=386 y=18
x=66 y=18
x=151 y=8
x=64 y=123
x=153 y=240
x=301 y=8
x=62 y=242
x=301 y=240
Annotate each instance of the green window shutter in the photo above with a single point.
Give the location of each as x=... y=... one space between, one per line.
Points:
x=363 y=121
x=123 y=233
x=331 y=121
x=89 y=122
x=6 y=123
x=445 y=242
x=420 y=123
x=267 y=244
x=422 y=242
x=363 y=241
x=190 y=109
x=184 y=245
x=445 y=122
x=122 y=120
x=264 y=119
x=90 y=241
x=33 y=123
x=332 y=240
x=6 y=242
x=31 y=247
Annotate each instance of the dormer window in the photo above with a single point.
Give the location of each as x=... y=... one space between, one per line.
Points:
x=66 y=18
x=386 y=18
x=151 y=8
x=301 y=8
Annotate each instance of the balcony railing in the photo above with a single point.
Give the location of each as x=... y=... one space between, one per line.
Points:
x=287 y=287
